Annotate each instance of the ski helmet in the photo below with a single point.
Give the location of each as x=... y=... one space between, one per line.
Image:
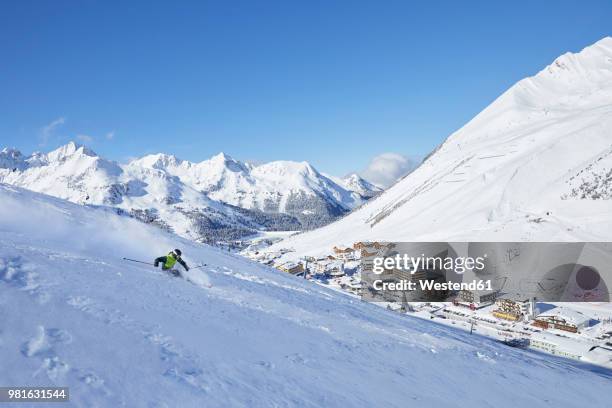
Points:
x=178 y=252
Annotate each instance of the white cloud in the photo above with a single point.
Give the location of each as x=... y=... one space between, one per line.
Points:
x=47 y=131
x=385 y=169
x=110 y=135
x=85 y=138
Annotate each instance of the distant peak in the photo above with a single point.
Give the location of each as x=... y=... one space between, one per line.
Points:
x=222 y=157
x=353 y=177
x=11 y=158
x=303 y=167
x=226 y=161
x=69 y=149
x=162 y=156
x=70 y=146
x=10 y=151
x=591 y=61
x=158 y=160
x=287 y=167
x=355 y=182
x=308 y=167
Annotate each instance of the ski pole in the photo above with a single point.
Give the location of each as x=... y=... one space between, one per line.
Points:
x=199 y=266
x=134 y=260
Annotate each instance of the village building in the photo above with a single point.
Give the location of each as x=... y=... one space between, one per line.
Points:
x=367 y=259
x=514 y=310
x=561 y=318
x=555 y=347
x=570 y=348
x=365 y=254
x=291 y=267
x=359 y=246
x=329 y=267
x=401 y=274
x=346 y=254
x=475 y=299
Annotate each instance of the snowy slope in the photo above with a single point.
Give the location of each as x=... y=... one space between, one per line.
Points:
x=536 y=165
x=120 y=334
x=190 y=198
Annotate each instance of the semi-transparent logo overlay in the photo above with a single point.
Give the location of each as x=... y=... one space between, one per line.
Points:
x=446 y=271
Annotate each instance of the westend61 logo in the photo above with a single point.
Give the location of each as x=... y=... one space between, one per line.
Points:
x=445 y=271
x=413 y=264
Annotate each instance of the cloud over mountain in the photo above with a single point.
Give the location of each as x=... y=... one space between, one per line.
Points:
x=386 y=168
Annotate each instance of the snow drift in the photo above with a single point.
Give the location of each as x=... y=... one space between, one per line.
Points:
x=72 y=313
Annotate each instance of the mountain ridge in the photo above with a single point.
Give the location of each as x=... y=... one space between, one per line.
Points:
x=220 y=196
x=534 y=165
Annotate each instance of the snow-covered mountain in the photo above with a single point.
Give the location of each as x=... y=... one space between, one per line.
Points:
x=294 y=188
x=354 y=182
x=220 y=197
x=535 y=165
x=121 y=334
x=77 y=174
x=11 y=159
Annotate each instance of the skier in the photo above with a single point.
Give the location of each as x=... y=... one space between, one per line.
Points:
x=170 y=260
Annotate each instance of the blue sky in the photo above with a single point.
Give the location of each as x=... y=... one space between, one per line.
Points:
x=335 y=83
